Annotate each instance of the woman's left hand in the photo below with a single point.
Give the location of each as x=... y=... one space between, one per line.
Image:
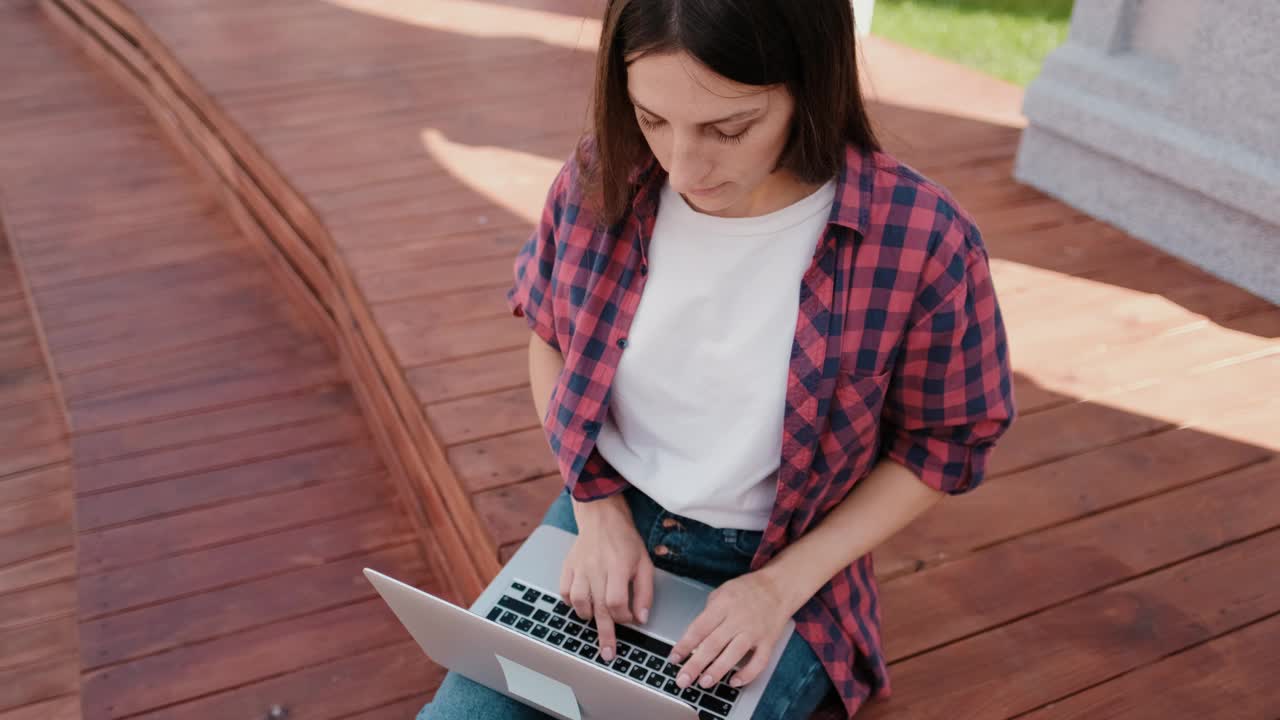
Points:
x=747 y=613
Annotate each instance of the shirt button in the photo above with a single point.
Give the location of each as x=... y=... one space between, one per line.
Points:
x=662 y=551
x=622 y=343
x=644 y=269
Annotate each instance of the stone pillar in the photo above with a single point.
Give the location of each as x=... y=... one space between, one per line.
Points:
x=1162 y=117
x=862 y=11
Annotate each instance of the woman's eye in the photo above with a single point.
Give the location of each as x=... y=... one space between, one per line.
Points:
x=735 y=138
x=647 y=123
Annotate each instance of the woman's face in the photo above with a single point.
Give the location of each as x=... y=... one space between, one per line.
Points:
x=718 y=140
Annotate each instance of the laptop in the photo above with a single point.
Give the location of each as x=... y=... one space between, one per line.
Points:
x=523 y=640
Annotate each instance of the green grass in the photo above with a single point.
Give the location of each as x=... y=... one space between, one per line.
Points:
x=1004 y=38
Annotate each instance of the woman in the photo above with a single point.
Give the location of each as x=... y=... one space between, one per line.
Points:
x=760 y=346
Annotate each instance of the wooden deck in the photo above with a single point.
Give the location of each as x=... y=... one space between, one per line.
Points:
x=387 y=158
x=227 y=491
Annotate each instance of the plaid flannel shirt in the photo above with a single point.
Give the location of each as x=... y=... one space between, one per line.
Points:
x=899 y=352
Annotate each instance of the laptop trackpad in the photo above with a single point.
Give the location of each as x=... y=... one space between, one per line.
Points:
x=548 y=693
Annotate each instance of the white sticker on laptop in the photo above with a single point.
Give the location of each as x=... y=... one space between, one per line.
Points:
x=548 y=693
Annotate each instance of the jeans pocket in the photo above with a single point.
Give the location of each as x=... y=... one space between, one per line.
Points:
x=744 y=542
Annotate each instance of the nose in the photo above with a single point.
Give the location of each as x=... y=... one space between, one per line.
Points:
x=689 y=165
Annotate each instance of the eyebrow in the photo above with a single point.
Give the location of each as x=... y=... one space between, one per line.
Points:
x=736 y=116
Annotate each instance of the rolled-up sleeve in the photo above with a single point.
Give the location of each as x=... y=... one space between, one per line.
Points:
x=951 y=394
x=532 y=294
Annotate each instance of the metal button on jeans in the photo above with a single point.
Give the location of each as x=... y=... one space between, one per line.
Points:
x=662 y=551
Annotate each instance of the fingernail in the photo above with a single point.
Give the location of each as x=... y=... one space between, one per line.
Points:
x=682 y=681
x=644 y=615
x=674 y=658
x=735 y=681
x=708 y=681
x=607 y=653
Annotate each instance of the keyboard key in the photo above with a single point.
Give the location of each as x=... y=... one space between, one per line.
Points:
x=572 y=644
x=655 y=663
x=590 y=636
x=638 y=655
x=508 y=618
x=601 y=661
x=556 y=639
x=532 y=595
x=541 y=615
x=514 y=605
x=691 y=694
x=494 y=613
x=588 y=652
x=724 y=692
x=557 y=623
x=541 y=631
x=621 y=665
x=635 y=637
x=525 y=625
x=624 y=650
x=562 y=608
x=671 y=688
x=715 y=704
x=655 y=680
x=518 y=586
x=670 y=670
x=638 y=673
x=704 y=715
x=573 y=629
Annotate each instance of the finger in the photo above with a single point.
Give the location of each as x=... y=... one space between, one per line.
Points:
x=580 y=595
x=703 y=655
x=642 y=591
x=566 y=579
x=604 y=626
x=708 y=620
x=617 y=588
x=759 y=659
x=735 y=651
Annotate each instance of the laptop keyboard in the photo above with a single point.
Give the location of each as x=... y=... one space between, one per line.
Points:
x=641 y=658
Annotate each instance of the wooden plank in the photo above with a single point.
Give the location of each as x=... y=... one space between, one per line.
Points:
x=268 y=414
x=267 y=348
x=34 y=683
x=171 y=535
x=1089 y=640
x=1052 y=494
x=481 y=416
x=152 y=403
x=399 y=710
x=35 y=483
x=409 y=315
x=452 y=341
x=219 y=454
x=1228 y=677
x=438 y=279
x=36 y=542
x=470 y=376
x=245 y=606
x=290 y=471
x=16 y=460
x=33 y=512
x=37 y=604
x=323 y=692
x=38 y=643
x=42 y=570
x=33 y=423
x=502 y=460
x=192 y=671
x=511 y=512
x=1000 y=583
x=204 y=570
x=63 y=708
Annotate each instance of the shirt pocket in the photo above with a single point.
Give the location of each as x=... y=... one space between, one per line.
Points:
x=854 y=422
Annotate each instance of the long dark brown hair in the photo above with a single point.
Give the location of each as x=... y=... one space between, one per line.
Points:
x=806 y=45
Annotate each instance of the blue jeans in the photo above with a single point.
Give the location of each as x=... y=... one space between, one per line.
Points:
x=704 y=553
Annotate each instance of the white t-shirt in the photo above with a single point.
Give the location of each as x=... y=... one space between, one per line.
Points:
x=695 y=415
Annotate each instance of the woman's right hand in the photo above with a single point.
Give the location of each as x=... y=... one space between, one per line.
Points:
x=608 y=574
